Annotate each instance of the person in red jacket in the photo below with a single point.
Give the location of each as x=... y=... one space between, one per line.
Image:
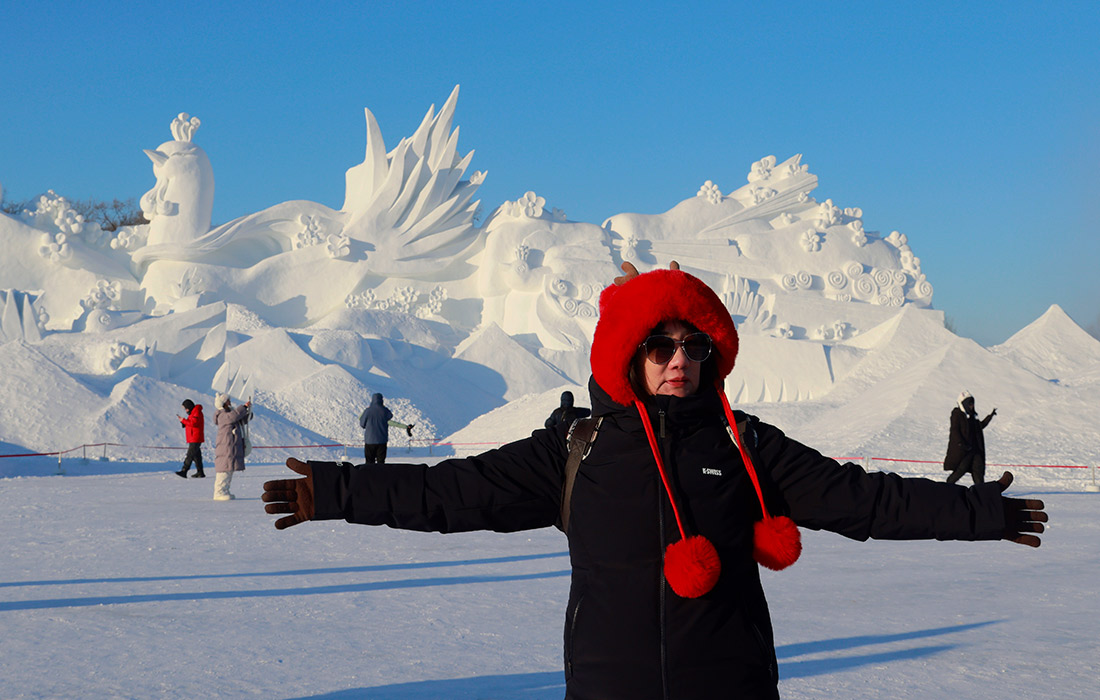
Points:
x=193 y=432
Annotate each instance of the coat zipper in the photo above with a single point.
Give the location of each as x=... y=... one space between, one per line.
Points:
x=660 y=574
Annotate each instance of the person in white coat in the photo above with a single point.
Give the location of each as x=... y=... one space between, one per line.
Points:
x=229 y=446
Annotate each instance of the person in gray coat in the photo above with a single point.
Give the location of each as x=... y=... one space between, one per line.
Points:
x=375 y=420
x=229 y=446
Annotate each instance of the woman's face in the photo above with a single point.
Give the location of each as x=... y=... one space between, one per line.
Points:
x=680 y=377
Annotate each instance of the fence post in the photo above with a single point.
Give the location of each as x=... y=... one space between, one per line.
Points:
x=1093 y=488
x=867 y=464
x=104 y=457
x=60 y=470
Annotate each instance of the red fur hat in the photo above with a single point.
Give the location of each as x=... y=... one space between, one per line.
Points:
x=628 y=311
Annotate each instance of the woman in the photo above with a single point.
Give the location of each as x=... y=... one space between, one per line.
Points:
x=966 y=442
x=665 y=473
x=229 y=445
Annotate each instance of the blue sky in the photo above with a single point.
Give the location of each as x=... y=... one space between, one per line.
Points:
x=970 y=127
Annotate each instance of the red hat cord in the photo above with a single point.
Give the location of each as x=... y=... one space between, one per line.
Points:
x=776 y=541
x=692 y=565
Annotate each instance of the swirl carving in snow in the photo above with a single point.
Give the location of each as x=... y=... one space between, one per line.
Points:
x=853 y=269
x=837 y=279
x=762 y=169
x=788 y=282
x=803 y=280
x=710 y=192
x=883 y=277
x=864 y=287
x=922 y=289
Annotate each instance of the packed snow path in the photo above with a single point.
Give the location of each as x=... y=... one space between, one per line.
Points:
x=138 y=585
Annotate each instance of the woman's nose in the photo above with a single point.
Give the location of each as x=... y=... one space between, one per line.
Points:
x=679 y=358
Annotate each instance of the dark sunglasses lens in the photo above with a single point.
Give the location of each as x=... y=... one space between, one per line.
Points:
x=660 y=349
x=697 y=347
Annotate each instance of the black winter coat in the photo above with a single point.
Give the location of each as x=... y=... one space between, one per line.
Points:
x=966 y=437
x=627 y=635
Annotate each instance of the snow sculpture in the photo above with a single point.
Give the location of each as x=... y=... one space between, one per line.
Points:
x=411 y=204
x=529 y=205
x=710 y=192
x=811 y=241
x=19 y=318
x=180 y=204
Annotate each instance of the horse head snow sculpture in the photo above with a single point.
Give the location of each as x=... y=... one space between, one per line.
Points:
x=180 y=204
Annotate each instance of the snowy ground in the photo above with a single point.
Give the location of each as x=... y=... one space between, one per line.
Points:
x=123 y=581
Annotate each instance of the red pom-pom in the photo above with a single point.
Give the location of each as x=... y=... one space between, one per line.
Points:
x=777 y=543
x=692 y=566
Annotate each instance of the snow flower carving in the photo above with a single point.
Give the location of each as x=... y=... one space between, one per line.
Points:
x=710 y=192
x=529 y=205
x=55 y=248
x=828 y=213
x=312 y=232
x=796 y=167
x=338 y=246
x=129 y=238
x=477 y=177
x=786 y=218
x=803 y=197
x=897 y=239
x=433 y=305
x=104 y=295
x=630 y=247
x=853 y=212
x=859 y=238
x=823 y=332
x=520 y=255
x=362 y=300
x=762 y=194
x=402 y=299
x=762 y=169
x=784 y=330
x=811 y=241
x=841 y=330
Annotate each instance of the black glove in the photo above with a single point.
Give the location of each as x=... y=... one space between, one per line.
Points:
x=409 y=429
x=1021 y=515
x=294 y=496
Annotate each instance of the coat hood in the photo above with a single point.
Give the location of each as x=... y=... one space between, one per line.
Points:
x=628 y=311
x=375 y=400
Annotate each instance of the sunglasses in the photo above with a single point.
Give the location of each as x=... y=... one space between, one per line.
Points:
x=659 y=349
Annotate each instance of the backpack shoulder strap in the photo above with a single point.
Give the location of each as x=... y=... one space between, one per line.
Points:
x=582 y=433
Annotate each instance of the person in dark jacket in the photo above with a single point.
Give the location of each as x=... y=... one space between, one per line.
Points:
x=566 y=413
x=193 y=427
x=676 y=504
x=966 y=442
x=376 y=420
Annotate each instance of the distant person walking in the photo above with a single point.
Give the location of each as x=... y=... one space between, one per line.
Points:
x=193 y=426
x=566 y=413
x=229 y=447
x=375 y=420
x=966 y=444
